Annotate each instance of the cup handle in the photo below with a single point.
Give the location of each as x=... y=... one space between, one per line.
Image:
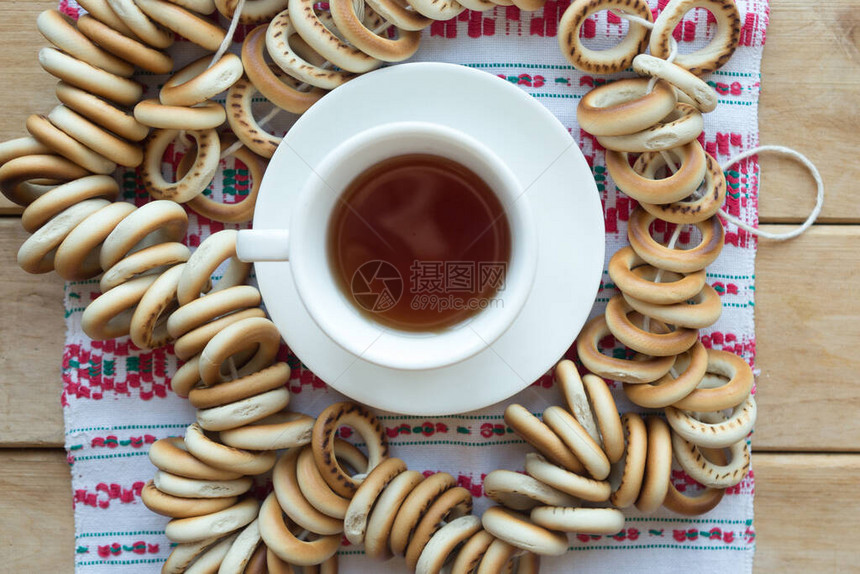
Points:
x=263 y=245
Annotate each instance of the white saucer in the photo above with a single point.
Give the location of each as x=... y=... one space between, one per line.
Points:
x=565 y=204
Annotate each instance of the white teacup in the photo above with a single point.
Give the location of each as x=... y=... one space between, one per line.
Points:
x=303 y=246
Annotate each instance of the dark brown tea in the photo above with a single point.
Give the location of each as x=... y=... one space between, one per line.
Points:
x=419 y=243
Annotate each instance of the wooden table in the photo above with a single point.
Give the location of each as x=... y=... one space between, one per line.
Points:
x=806 y=462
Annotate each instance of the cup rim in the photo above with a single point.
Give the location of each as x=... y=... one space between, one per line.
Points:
x=371 y=340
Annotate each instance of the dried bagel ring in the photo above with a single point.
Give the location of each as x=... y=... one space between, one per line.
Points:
x=193 y=28
x=109 y=316
x=661 y=343
x=361 y=505
x=627 y=475
x=222 y=522
x=452 y=504
x=681 y=126
x=66 y=195
x=669 y=389
x=700 y=311
x=498 y=558
x=225 y=457
x=200 y=6
x=582 y=520
x=714 y=435
x=624 y=107
x=244 y=411
x=242 y=549
x=614 y=59
x=437 y=10
x=641 y=370
x=476 y=5
x=278 y=36
x=171 y=455
x=677 y=260
x=150 y=224
x=724 y=396
x=182 y=486
x=369 y=42
x=254 y=12
x=197 y=82
x=365 y=424
x=540 y=436
x=701 y=93
x=101 y=10
x=61 y=143
x=272 y=83
x=148 y=327
x=385 y=511
x=18 y=176
x=205 y=116
x=144 y=28
x=57 y=29
x=77 y=257
x=404 y=18
x=173 y=506
x=577 y=439
x=414 y=506
x=567 y=378
x=326 y=43
x=707 y=500
x=200 y=175
x=698 y=207
x=241 y=211
x=96 y=138
x=36 y=254
x=201 y=311
x=720 y=48
x=210 y=560
x=521 y=492
x=275 y=432
x=247 y=334
x=101 y=112
x=126 y=47
x=215 y=249
x=295 y=505
x=658 y=466
x=473 y=550
x=704 y=471
x=245 y=125
x=606 y=414
x=286 y=545
x=645 y=188
x=21 y=147
x=183 y=555
x=316 y=490
x=269 y=379
x=193 y=342
x=444 y=542
x=519 y=531
x=150 y=261
x=635 y=279
x=564 y=480
x=95 y=80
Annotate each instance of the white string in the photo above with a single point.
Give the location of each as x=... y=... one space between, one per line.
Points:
x=819 y=199
x=228 y=38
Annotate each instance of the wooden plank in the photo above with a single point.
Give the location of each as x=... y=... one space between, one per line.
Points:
x=807 y=331
x=806 y=513
x=36 y=515
x=810 y=81
x=31 y=348
x=807 y=534
x=27 y=88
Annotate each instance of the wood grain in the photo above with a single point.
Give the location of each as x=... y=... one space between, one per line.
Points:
x=807 y=331
x=27 y=88
x=806 y=513
x=804 y=507
x=810 y=82
x=31 y=348
x=36 y=516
